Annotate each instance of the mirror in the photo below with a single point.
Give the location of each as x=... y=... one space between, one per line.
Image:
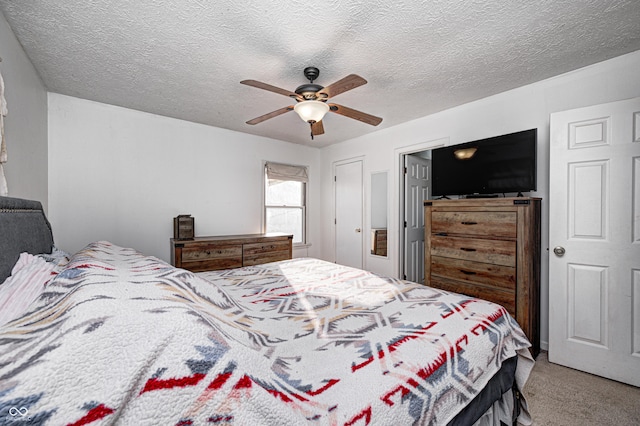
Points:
x=379 y=213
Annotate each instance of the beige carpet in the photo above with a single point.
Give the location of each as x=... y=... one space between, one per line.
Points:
x=562 y=396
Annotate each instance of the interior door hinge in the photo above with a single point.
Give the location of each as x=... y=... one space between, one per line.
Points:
x=335 y=221
x=405 y=170
x=335 y=178
x=405 y=223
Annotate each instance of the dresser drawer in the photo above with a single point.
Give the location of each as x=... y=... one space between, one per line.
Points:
x=502 y=297
x=490 y=223
x=205 y=257
x=474 y=272
x=264 y=252
x=208 y=251
x=500 y=252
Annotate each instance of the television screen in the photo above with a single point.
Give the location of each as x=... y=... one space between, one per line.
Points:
x=495 y=165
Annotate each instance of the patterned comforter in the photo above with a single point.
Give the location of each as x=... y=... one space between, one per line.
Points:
x=123 y=338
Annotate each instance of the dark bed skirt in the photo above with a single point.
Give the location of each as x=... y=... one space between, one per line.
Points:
x=503 y=381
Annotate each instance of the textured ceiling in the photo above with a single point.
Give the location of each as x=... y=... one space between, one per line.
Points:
x=185 y=59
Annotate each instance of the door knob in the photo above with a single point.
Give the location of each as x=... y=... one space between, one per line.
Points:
x=358 y=229
x=559 y=251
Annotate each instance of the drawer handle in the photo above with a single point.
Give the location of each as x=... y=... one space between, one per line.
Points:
x=208 y=252
x=469 y=223
x=219 y=251
x=467 y=272
x=467 y=249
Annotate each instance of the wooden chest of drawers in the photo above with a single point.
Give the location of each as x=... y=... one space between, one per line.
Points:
x=231 y=251
x=489 y=249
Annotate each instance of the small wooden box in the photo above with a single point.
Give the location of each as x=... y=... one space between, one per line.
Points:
x=183 y=227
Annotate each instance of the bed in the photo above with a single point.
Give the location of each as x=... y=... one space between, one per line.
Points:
x=117 y=337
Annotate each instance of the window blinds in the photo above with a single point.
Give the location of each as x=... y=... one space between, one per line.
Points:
x=279 y=171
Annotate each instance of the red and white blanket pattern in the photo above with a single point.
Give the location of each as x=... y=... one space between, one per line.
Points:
x=122 y=338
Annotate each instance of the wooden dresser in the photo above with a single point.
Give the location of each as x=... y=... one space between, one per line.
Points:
x=230 y=251
x=488 y=248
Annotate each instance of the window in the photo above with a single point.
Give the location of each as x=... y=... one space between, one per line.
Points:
x=285 y=199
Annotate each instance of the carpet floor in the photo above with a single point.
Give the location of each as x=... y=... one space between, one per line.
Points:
x=562 y=396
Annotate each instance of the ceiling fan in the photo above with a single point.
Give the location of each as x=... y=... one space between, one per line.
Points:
x=312 y=99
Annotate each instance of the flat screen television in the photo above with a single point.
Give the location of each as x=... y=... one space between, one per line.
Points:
x=494 y=165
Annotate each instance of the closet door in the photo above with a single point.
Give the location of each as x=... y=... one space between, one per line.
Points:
x=348 y=213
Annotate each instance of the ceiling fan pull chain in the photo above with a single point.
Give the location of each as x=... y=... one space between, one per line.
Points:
x=311 y=127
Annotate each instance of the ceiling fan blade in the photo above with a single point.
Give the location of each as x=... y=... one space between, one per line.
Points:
x=349 y=82
x=355 y=114
x=317 y=128
x=270 y=115
x=270 y=88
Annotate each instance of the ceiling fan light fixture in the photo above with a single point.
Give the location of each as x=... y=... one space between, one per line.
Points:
x=311 y=111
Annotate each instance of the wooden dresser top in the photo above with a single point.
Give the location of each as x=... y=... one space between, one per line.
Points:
x=243 y=238
x=479 y=202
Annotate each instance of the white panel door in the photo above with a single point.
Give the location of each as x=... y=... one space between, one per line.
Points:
x=594 y=238
x=417 y=175
x=348 y=219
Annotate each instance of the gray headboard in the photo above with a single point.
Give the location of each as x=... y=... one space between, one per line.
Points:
x=23 y=227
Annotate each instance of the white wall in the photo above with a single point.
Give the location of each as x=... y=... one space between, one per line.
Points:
x=26 y=123
x=519 y=109
x=122 y=175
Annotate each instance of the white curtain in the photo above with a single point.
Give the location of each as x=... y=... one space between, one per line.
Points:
x=4 y=189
